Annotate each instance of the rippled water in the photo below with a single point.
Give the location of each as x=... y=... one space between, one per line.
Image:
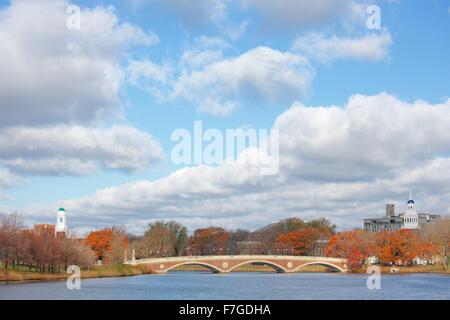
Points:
x=241 y=286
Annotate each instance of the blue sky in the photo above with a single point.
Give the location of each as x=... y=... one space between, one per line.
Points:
x=269 y=52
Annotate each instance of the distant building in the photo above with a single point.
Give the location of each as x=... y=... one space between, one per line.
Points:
x=61 y=223
x=59 y=229
x=44 y=229
x=408 y=220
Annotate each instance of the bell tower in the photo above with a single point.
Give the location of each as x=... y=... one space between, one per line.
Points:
x=61 y=222
x=411 y=218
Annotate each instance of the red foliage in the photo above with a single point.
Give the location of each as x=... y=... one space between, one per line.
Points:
x=391 y=247
x=297 y=242
x=209 y=241
x=100 y=241
x=352 y=245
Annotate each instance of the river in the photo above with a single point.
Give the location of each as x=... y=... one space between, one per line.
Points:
x=203 y=286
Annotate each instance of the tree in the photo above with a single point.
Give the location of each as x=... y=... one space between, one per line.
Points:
x=352 y=245
x=117 y=246
x=401 y=246
x=11 y=226
x=209 y=241
x=268 y=235
x=163 y=238
x=438 y=234
x=324 y=226
x=297 y=242
x=181 y=237
x=100 y=241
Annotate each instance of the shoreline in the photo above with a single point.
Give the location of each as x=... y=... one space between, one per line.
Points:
x=116 y=271
x=97 y=272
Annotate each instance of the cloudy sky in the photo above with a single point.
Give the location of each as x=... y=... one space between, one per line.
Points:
x=86 y=114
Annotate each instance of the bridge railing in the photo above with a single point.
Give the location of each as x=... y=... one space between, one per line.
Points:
x=236 y=257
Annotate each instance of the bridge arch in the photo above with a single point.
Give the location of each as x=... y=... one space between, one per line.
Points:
x=322 y=263
x=278 y=268
x=210 y=267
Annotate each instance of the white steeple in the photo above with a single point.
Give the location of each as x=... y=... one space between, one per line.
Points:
x=411 y=218
x=61 y=222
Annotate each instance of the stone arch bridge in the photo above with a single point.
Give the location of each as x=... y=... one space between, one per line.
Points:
x=225 y=264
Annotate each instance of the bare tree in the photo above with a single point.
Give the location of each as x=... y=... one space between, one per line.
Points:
x=439 y=234
x=118 y=245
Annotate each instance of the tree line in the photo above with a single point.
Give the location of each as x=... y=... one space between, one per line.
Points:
x=39 y=249
x=170 y=238
x=399 y=247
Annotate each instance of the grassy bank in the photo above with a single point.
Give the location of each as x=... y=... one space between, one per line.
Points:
x=417 y=269
x=94 y=272
x=405 y=270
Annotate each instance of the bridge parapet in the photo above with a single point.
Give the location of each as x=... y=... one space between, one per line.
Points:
x=225 y=264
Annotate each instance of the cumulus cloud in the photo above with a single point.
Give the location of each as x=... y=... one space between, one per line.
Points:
x=57 y=83
x=217 y=85
x=317 y=46
x=369 y=137
x=262 y=73
x=51 y=74
x=341 y=162
x=76 y=150
x=8 y=179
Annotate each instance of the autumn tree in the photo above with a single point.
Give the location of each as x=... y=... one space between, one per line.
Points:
x=209 y=241
x=38 y=249
x=269 y=235
x=297 y=242
x=100 y=241
x=352 y=245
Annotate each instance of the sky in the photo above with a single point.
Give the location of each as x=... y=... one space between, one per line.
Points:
x=91 y=93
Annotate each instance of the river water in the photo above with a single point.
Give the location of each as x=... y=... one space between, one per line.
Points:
x=203 y=286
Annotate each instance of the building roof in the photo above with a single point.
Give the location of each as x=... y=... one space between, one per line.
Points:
x=61 y=209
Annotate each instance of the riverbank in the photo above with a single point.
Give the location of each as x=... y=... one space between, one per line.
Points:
x=415 y=269
x=10 y=275
x=109 y=271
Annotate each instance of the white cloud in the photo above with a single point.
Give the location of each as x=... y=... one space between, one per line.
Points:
x=372 y=47
x=370 y=136
x=51 y=74
x=343 y=163
x=262 y=73
x=217 y=84
x=76 y=150
x=8 y=179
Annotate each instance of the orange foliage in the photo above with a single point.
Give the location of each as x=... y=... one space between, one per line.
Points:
x=391 y=247
x=208 y=241
x=297 y=242
x=352 y=245
x=401 y=246
x=100 y=241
